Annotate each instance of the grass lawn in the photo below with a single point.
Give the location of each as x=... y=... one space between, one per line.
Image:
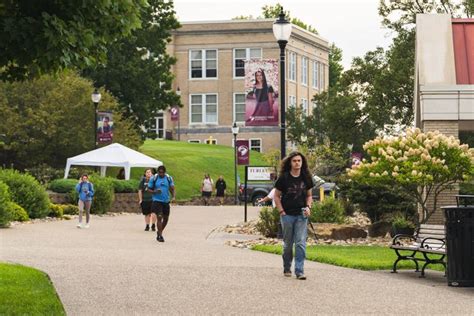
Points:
x=188 y=162
x=27 y=291
x=356 y=257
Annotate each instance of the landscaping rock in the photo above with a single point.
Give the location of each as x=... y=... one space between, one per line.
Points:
x=379 y=229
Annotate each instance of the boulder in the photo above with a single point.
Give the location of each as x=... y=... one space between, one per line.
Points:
x=339 y=232
x=379 y=229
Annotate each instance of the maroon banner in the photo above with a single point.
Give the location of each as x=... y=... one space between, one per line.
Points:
x=356 y=159
x=261 y=87
x=105 y=127
x=243 y=152
x=174 y=113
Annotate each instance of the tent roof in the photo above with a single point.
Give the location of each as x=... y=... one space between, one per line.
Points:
x=114 y=155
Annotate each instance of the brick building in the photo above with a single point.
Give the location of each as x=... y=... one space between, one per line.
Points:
x=210 y=75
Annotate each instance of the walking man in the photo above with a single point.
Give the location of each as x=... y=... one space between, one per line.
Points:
x=293 y=198
x=161 y=185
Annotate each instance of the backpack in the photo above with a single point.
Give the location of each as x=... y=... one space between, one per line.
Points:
x=168 y=177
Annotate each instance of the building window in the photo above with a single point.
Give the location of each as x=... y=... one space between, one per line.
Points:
x=241 y=55
x=315 y=74
x=211 y=141
x=158 y=126
x=239 y=107
x=304 y=106
x=292 y=66
x=203 y=108
x=194 y=141
x=322 y=74
x=292 y=101
x=304 y=71
x=203 y=63
x=256 y=144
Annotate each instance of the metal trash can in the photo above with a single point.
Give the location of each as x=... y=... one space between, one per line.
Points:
x=459 y=226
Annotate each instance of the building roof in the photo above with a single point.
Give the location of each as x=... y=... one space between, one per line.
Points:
x=463 y=42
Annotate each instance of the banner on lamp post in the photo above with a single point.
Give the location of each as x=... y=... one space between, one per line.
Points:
x=105 y=127
x=174 y=113
x=243 y=152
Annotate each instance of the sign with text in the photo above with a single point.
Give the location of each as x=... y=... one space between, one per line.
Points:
x=261 y=173
x=243 y=152
x=174 y=113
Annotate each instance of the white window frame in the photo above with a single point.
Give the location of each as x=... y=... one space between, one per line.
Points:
x=203 y=64
x=291 y=101
x=304 y=71
x=322 y=74
x=234 y=106
x=203 y=108
x=247 y=57
x=292 y=66
x=304 y=106
x=261 y=144
x=194 y=141
x=315 y=78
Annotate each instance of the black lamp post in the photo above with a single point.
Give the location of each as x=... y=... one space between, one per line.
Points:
x=95 y=96
x=178 y=92
x=235 y=131
x=282 y=32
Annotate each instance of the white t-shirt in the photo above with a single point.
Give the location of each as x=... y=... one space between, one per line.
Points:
x=271 y=195
x=207 y=185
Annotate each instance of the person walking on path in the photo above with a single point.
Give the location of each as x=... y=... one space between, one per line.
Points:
x=220 y=189
x=206 y=188
x=86 y=192
x=161 y=185
x=293 y=200
x=145 y=199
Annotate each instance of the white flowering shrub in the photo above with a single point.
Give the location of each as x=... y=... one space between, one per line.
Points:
x=422 y=164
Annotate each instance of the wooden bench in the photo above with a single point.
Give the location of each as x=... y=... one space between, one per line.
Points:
x=428 y=240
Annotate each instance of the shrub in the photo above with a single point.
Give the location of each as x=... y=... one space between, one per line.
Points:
x=18 y=213
x=103 y=195
x=466 y=188
x=62 y=185
x=5 y=214
x=70 y=209
x=55 y=210
x=328 y=211
x=268 y=222
x=400 y=221
x=125 y=186
x=45 y=173
x=27 y=192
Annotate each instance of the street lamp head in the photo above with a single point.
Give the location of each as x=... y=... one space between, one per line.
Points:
x=350 y=146
x=304 y=138
x=235 y=129
x=178 y=91
x=282 y=28
x=95 y=96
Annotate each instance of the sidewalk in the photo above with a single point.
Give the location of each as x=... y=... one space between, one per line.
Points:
x=115 y=268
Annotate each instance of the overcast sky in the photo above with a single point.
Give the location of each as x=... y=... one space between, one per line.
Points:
x=354 y=25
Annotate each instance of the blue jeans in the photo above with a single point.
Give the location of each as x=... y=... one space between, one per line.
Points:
x=294 y=231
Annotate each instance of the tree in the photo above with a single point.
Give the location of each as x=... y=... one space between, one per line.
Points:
x=51 y=118
x=138 y=67
x=39 y=37
x=335 y=67
x=422 y=165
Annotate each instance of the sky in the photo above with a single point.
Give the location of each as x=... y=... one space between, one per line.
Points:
x=353 y=25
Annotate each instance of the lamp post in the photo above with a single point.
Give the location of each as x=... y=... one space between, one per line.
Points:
x=282 y=32
x=178 y=92
x=235 y=131
x=95 y=96
x=350 y=146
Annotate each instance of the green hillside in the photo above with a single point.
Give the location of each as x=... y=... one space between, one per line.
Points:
x=188 y=162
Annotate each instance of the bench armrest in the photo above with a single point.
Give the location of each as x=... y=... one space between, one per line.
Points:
x=426 y=241
x=397 y=239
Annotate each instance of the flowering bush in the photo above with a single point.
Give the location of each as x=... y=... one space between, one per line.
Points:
x=421 y=164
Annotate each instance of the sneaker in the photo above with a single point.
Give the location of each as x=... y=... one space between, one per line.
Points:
x=87 y=226
x=79 y=225
x=147 y=228
x=160 y=238
x=287 y=273
x=301 y=277
x=153 y=227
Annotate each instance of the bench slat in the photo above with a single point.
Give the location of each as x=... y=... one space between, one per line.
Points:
x=435 y=227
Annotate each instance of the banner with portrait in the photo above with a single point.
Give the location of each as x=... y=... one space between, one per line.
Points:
x=105 y=127
x=261 y=88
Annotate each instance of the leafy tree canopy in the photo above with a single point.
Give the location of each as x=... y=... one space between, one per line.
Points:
x=138 y=67
x=38 y=37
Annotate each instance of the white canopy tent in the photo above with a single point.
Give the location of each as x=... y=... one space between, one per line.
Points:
x=113 y=155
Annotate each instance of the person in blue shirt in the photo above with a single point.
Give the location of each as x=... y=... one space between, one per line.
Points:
x=162 y=187
x=86 y=192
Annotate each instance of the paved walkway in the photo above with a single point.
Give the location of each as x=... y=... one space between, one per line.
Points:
x=115 y=268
